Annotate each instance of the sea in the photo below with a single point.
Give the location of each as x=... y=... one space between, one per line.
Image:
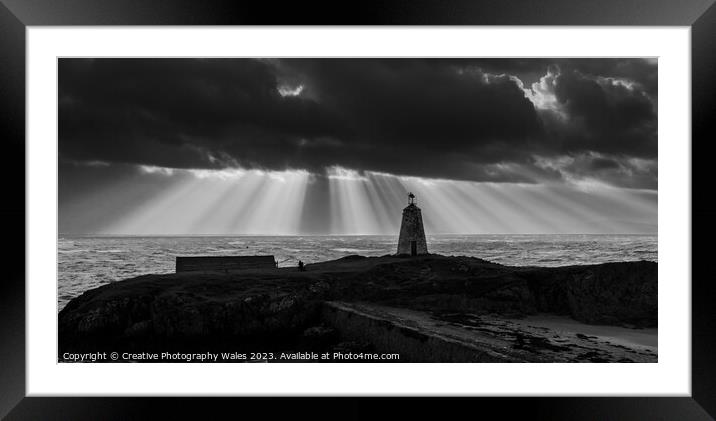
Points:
x=86 y=262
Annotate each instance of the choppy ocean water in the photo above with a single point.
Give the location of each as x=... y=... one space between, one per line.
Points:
x=85 y=262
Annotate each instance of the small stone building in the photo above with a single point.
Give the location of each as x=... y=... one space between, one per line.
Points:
x=412 y=234
x=223 y=263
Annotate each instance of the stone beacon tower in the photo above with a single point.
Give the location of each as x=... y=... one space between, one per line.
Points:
x=412 y=234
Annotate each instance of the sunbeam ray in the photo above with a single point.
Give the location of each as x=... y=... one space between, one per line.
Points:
x=349 y=202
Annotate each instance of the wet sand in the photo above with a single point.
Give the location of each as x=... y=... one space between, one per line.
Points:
x=464 y=337
x=631 y=338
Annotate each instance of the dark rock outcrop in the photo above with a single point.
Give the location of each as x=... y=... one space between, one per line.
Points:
x=610 y=293
x=275 y=307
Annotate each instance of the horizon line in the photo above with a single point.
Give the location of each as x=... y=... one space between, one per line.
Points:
x=340 y=235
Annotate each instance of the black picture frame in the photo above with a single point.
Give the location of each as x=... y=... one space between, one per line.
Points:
x=16 y=15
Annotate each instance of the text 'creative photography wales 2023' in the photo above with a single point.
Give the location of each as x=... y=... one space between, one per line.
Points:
x=353 y=210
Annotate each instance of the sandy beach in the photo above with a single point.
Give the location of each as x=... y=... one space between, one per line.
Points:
x=645 y=338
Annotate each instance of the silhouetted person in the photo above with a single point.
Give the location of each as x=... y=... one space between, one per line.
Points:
x=301 y=268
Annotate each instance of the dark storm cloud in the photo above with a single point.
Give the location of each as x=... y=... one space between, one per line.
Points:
x=598 y=164
x=606 y=115
x=476 y=119
x=625 y=172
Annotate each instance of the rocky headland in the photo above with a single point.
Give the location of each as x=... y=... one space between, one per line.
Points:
x=285 y=309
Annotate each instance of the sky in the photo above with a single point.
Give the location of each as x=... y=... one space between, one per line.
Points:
x=333 y=146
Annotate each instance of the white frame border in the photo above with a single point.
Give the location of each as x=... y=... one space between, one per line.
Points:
x=671 y=376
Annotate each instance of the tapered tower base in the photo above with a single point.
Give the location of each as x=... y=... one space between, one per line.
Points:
x=412 y=234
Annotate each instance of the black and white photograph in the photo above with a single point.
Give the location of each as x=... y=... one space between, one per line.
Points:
x=357 y=210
